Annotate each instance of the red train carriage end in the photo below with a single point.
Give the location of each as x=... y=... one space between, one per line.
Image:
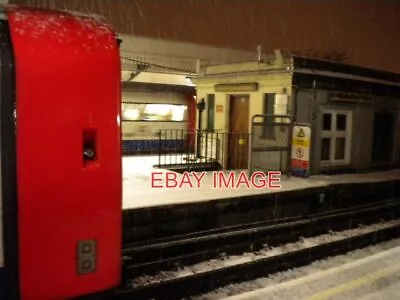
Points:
x=61 y=163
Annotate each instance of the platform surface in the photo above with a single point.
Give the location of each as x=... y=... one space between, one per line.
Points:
x=138 y=191
x=373 y=277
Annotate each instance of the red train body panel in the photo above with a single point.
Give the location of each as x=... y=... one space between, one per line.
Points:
x=67 y=76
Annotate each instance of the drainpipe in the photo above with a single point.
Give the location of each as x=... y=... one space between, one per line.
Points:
x=200 y=107
x=293 y=119
x=314 y=126
x=295 y=103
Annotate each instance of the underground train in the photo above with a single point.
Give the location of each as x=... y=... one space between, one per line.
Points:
x=61 y=181
x=157 y=117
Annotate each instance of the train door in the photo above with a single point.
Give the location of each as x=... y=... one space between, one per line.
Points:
x=8 y=188
x=238 y=139
x=382 y=141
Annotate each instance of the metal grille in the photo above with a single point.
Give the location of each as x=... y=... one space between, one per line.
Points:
x=203 y=150
x=192 y=149
x=210 y=145
x=270 y=143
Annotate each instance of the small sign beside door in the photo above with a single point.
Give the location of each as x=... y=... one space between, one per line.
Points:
x=219 y=108
x=300 y=160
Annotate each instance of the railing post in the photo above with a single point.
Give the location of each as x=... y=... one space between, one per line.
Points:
x=200 y=106
x=250 y=147
x=217 y=146
x=206 y=147
x=159 y=148
x=289 y=152
x=198 y=144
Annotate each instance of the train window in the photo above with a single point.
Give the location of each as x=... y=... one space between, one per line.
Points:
x=154 y=112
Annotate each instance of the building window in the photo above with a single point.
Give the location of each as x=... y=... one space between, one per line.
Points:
x=210 y=106
x=269 y=109
x=274 y=104
x=336 y=137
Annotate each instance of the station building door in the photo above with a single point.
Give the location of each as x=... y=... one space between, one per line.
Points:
x=238 y=138
x=382 y=143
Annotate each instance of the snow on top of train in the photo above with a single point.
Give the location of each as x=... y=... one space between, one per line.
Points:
x=61 y=25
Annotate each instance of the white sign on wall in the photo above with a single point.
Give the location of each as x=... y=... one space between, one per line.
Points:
x=301 y=142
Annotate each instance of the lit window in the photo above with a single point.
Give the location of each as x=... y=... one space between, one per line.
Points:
x=178 y=113
x=130 y=114
x=154 y=112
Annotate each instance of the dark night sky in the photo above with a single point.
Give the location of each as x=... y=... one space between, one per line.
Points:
x=367 y=31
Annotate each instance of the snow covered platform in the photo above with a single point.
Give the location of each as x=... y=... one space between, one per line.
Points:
x=139 y=193
x=202 y=206
x=372 y=277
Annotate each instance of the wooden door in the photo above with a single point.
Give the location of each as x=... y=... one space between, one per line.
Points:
x=238 y=141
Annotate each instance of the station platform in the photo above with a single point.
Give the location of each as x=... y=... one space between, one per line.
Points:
x=138 y=192
x=373 y=277
x=160 y=212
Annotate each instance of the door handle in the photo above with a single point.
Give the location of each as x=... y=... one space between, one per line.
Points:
x=89 y=147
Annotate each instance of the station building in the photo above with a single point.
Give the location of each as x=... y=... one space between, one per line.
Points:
x=353 y=113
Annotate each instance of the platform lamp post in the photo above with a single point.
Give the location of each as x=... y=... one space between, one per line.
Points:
x=201 y=105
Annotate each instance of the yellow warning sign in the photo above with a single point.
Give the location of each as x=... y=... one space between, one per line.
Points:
x=300 y=152
x=301 y=133
x=301 y=139
x=301 y=143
